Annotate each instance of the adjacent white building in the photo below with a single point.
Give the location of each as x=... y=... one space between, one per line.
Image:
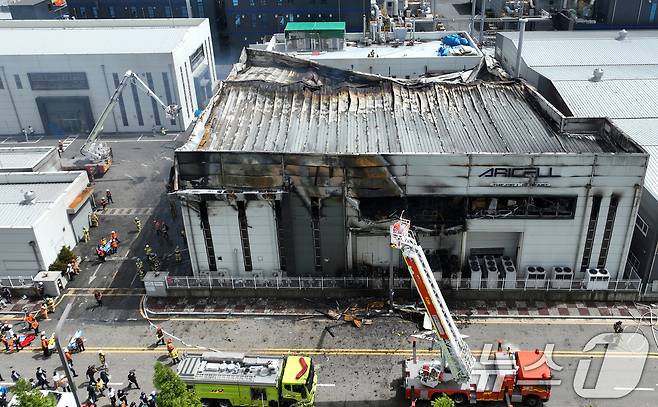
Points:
x=58 y=75
x=39 y=213
x=29 y=159
x=402 y=54
x=602 y=74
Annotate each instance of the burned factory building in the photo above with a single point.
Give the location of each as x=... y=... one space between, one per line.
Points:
x=295 y=169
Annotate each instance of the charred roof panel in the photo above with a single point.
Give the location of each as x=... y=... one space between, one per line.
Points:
x=278 y=104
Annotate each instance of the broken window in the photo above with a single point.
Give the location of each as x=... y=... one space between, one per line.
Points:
x=525 y=207
x=429 y=212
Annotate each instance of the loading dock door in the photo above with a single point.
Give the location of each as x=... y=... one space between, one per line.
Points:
x=62 y=115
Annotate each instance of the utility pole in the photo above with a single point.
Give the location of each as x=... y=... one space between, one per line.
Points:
x=62 y=358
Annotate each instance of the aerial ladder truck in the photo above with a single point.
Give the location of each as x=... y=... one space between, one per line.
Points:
x=98 y=153
x=510 y=376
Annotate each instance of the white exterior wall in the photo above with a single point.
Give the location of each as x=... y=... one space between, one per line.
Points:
x=53 y=229
x=180 y=60
x=50 y=232
x=400 y=67
x=543 y=242
x=262 y=237
x=16 y=255
x=225 y=231
x=99 y=69
x=195 y=241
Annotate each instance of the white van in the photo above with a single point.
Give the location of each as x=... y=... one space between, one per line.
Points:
x=64 y=399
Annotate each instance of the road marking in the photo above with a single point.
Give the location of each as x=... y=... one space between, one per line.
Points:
x=634 y=388
x=115 y=384
x=129 y=211
x=143 y=141
x=326 y=384
x=93 y=276
x=140 y=138
x=68 y=141
x=328 y=352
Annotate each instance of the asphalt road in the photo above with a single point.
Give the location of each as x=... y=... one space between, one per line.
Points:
x=355 y=367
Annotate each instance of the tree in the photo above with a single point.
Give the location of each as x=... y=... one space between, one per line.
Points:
x=64 y=257
x=443 y=401
x=27 y=396
x=172 y=391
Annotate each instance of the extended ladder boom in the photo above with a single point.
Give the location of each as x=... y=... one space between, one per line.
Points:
x=98 y=151
x=456 y=352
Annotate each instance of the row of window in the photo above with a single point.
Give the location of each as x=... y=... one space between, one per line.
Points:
x=237 y=3
x=138 y=12
x=52 y=81
x=256 y=20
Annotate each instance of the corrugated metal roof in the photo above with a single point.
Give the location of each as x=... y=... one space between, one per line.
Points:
x=645 y=133
x=22 y=157
x=600 y=48
x=281 y=104
x=615 y=99
x=16 y=212
x=651 y=179
x=585 y=72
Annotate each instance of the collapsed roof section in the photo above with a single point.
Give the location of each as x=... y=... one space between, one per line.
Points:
x=280 y=104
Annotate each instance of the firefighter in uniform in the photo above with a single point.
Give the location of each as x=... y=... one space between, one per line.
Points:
x=43 y=311
x=159 y=333
x=51 y=304
x=178 y=255
x=85 y=234
x=93 y=219
x=173 y=353
x=148 y=251
x=140 y=268
x=138 y=224
x=101 y=359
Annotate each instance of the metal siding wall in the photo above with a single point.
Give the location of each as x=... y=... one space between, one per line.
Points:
x=262 y=237
x=81 y=219
x=332 y=236
x=301 y=236
x=195 y=241
x=226 y=237
x=373 y=250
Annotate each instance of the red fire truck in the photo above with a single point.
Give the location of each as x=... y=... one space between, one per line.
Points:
x=502 y=375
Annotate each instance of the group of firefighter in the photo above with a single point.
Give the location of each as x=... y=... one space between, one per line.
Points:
x=106 y=247
x=14 y=340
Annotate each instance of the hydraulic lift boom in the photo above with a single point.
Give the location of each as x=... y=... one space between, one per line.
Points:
x=93 y=148
x=454 y=350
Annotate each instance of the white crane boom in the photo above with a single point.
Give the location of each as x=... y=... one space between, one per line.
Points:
x=98 y=151
x=454 y=350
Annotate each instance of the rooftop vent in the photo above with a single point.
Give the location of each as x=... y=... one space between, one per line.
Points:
x=597 y=75
x=621 y=35
x=29 y=196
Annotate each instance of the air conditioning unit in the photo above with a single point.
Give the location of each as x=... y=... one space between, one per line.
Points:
x=492 y=273
x=561 y=277
x=510 y=274
x=535 y=277
x=476 y=271
x=597 y=279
